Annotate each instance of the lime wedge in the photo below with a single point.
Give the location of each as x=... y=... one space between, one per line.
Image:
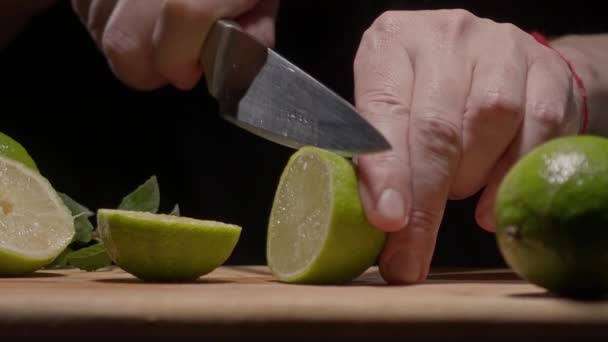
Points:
x=165 y=248
x=35 y=225
x=317 y=231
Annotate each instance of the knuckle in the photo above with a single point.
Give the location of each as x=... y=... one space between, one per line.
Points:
x=387 y=160
x=388 y=23
x=424 y=222
x=443 y=136
x=499 y=101
x=381 y=33
x=510 y=30
x=454 y=22
x=549 y=114
x=128 y=59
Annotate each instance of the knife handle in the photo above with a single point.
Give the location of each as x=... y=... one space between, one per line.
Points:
x=231 y=58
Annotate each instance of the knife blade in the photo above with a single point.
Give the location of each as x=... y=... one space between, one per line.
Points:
x=262 y=92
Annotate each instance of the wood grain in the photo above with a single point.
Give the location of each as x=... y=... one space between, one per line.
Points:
x=246 y=301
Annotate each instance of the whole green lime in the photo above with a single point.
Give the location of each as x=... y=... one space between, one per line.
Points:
x=12 y=149
x=552 y=216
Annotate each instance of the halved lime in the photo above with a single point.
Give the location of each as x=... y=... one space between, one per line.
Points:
x=162 y=247
x=318 y=231
x=35 y=225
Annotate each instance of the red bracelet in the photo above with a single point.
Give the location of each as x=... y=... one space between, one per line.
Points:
x=579 y=81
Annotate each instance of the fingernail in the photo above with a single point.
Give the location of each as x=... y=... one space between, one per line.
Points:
x=404 y=268
x=392 y=207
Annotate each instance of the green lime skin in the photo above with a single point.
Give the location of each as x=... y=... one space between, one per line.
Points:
x=165 y=248
x=13 y=265
x=12 y=149
x=552 y=216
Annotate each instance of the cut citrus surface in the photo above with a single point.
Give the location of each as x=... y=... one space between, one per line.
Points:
x=161 y=247
x=12 y=149
x=317 y=231
x=35 y=225
x=552 y=216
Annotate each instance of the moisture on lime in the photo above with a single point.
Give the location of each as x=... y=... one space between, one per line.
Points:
x=552 y=216
x=35 y=225
x=318 y=231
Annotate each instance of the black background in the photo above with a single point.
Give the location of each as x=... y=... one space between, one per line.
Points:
x=96 y=139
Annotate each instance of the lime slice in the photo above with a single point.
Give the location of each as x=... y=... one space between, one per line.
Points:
x=318 y=232
x=12 y=149
x=35 y=225
x=167 y=248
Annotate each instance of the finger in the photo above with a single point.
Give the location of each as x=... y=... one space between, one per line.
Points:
x=494 y=112
x=260 y=21
x=551 y=111
x=443 y=78
x=127 y=42
x=180 y=33
x=94 y=15
x=384 y=77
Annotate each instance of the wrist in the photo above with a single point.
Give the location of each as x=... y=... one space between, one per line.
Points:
x=580 y=51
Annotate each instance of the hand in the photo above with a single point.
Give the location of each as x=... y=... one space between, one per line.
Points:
x=460 y=98
x=151 y=43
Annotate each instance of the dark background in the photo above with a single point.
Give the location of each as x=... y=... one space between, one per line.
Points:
x=96 y=139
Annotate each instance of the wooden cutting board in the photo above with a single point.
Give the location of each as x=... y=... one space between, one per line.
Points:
x=246 y=302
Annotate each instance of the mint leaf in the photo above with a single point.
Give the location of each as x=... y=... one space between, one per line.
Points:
x=90 y=258
x=81 y=214
x=175 y=210
x=145 y=198
x=61 y=261
x=76 y=208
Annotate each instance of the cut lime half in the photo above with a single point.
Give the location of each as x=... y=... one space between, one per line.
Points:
x=318 y=232
x=35 y=225
x=167 y=248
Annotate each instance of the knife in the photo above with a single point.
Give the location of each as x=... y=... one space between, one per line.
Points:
x=262 y=92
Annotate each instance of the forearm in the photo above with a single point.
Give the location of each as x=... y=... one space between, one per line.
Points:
x=15 y=15
x=589 y=57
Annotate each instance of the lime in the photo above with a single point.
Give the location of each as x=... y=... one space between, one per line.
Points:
x=12 y=149
x=552 y=216
x=35 y=225
x=317 y=231
x=165 y=248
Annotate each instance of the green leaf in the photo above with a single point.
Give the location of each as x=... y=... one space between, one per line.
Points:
x=76 y=208
x=81 y=214
x=60 y=261
x=175 y=210
x=90 y=258
x=145 y=198
x=84 y=229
